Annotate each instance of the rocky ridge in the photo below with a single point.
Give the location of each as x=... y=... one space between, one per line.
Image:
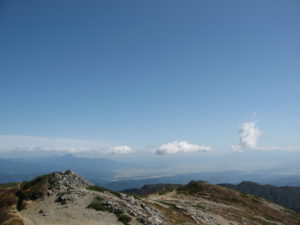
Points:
x=67 y=198
x=66 y=188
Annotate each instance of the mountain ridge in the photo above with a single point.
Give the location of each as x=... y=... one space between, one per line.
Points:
x=67 y=198
x=286 y=196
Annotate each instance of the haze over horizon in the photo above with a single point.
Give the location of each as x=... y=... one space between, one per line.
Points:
x=138 y=80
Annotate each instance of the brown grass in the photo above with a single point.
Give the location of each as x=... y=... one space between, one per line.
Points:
x=174 y=217
x=8 y=202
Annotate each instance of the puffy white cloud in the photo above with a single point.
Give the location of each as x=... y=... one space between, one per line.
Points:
x=119 y=150
x=181 y=146
x=249 y=135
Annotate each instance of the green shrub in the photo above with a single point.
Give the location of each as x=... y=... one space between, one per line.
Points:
x=245 y=195
x=8 y=185
x=124 y=218
x=170 y=204
x=98 y=198
x=234 y=200
x=191 y=188
x=256 y=201
x=118 y=212
x=116 y=194
x=60 y=198
x=97 y=205
x=36 y=188
x=102 y=189
x=97 y=188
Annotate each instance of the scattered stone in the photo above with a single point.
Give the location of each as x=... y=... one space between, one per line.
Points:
x=129 y=199
x=133 y=213
x=43 y=213
x=180 y=207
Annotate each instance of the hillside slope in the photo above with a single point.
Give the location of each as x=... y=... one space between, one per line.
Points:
x=152 y=188
x=285 y=196
x=67 y=198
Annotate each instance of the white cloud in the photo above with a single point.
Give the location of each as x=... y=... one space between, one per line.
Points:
x=119 y=150
x=278 y=148
x=181 y=146
x=46 y=145
x=236 y=148
x=249 y=135
x=58 y=149
x=9 y=143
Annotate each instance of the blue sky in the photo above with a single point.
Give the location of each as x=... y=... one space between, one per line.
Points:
x=148 y=73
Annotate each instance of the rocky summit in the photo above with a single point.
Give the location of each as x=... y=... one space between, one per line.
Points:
x=69 y=199
x=68 y=180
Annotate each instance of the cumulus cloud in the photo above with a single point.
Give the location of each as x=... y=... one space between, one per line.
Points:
x=181 y=146
x=249 y=136
x=119 y=150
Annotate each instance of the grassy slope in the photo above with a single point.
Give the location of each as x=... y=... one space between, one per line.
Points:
x=286 y=196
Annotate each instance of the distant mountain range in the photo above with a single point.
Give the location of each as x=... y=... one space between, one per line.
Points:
x=233 y=177
x=95 y=169
x=103 y=171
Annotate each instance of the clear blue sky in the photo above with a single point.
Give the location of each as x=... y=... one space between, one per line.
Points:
x=150 y=72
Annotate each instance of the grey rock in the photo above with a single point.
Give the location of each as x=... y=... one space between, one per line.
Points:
x=133 y=213
x=180 y=207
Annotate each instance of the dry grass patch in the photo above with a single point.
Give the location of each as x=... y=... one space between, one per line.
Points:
x=173 y=216
x=8 y=202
